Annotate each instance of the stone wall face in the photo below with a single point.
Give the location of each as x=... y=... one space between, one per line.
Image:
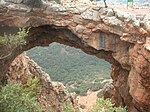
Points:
x=120 y=38
x=139 y=78
x=121 y=94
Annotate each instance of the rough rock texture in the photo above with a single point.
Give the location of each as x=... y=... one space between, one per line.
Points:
x=53 y=95
x=120 y=38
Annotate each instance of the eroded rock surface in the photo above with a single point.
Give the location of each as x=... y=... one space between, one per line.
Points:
x=53 y=95
x=120 y=38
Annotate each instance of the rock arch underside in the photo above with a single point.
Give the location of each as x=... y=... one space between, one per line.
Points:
x=120 y=38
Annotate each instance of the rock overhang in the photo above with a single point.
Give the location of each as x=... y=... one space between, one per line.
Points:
x=84 y=20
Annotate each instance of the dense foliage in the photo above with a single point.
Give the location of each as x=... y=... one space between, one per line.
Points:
x=69 y=108
x=105 y=105
x=14 y=40
x=15 y=97
x=77 y=70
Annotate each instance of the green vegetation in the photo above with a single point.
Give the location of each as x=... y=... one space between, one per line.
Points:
x=12 y=40
x=105 y=105
x=8 y=44
x=15 y=97
x=100 y=94
x=69 y=108
x=82 y=88
x=102 y=105
x=77 y=70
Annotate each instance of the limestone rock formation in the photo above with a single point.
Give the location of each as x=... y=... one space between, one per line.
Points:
x=53 y=95
x=123 y=39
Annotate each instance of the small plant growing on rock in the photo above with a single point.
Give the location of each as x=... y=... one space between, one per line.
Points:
x=12 y=41
x=105 y=105
x=69 y=108
x=100 y=94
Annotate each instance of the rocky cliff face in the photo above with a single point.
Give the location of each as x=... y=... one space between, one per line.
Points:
x=53 y=95
x=120 y=38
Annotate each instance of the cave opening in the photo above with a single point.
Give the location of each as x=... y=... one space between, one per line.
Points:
x=83 y=74
x=72 y=67
x=46 y=35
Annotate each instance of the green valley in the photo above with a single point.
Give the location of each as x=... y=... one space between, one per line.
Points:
x=75 y=69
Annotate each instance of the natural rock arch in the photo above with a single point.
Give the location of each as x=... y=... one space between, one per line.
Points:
x=46 y=34
x=120 y=39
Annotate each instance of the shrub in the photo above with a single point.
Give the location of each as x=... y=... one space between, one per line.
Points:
x=16 y=98
x=12 y=41
x=96 y=86
x=69 y=108
x=32 y=85
x=100 y=94
x=15 y=40
x=76 y=90
x=103 y=105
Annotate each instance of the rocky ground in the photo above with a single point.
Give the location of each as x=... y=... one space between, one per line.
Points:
x=136 y=9
x=88 y=101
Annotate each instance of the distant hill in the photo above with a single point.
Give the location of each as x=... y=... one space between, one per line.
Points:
x=71 y=66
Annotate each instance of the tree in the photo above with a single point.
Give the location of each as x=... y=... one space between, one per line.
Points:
x=11 y=42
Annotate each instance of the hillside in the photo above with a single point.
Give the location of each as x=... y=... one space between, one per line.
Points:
x=71 y=66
